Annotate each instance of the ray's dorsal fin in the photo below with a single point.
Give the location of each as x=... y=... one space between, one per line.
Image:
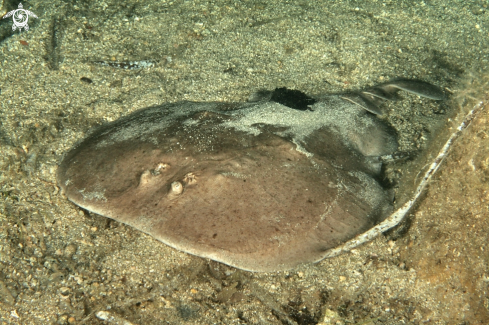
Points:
x=370 y=99
x=418 y=87
x=370 y=106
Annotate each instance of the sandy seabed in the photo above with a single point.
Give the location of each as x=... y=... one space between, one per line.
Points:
x=62 y=265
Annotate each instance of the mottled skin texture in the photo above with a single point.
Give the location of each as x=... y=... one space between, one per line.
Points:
x=257 y=186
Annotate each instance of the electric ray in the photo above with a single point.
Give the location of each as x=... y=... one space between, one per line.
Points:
x=264 y=185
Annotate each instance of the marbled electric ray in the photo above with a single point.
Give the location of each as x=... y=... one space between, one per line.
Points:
x=258 y=186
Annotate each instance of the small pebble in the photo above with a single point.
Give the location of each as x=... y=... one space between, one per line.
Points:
x=111 y=318
x=64 y=291
x=331 y=317
x=70 y=250
x=14 y=314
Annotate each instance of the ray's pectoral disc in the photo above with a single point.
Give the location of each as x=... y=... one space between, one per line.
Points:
x=250 y=201
x=258 y=186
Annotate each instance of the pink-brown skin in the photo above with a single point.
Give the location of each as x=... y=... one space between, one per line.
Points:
x=252 y=202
